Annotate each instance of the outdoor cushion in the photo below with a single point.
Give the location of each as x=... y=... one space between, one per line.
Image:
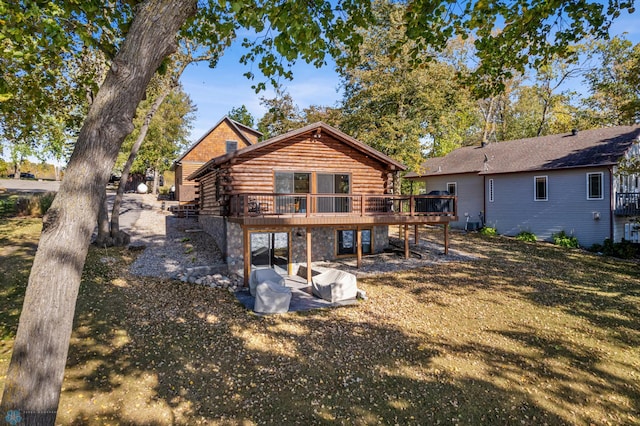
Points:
x=261 y=275
x=334 y=285
x=272 y=298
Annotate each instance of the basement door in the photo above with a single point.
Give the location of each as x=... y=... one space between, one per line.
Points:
x=270 y=250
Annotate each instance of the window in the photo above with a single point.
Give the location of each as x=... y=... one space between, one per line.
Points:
x=540 y=188
x=291 y=183
x=491 y=190
x=347 y=241
x=452 y=187
x=333 y=184
x=595 y=190
x=232 y=146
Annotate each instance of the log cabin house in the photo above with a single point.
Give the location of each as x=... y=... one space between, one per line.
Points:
x=226 y=136
x=311 y=194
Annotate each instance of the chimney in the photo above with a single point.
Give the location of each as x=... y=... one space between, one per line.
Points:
x=574 y=132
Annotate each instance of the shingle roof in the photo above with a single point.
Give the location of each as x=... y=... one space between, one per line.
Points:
x=311 y=128
x=588 y=148
x=238 y=127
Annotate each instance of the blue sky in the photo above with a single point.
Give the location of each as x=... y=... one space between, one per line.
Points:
x=216 y=91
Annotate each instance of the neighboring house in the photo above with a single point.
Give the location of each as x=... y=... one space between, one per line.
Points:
x=544 y=185
x=311 y=194
x=225 y=137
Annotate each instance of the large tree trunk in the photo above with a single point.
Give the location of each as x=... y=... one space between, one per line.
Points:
x=34 y=379
x=117 y=202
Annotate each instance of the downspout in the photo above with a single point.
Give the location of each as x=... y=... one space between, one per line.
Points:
x=612 y=200
x=484 y=199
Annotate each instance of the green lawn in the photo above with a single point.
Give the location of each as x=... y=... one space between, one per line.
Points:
x=526 y=334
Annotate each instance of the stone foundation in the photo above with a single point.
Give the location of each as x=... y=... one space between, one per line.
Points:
x=228 y=236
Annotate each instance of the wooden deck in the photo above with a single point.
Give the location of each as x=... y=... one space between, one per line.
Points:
x=337 y=209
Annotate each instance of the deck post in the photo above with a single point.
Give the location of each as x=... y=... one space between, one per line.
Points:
x=416 y=237
x=246 y=241
x=406 y=241
x=446 y=238
x=359 y=247
x=309 y=251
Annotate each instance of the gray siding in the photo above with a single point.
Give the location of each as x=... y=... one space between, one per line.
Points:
x=470 y=195
x=514 y=209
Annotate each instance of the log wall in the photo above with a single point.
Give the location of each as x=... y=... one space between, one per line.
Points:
x=255 y=171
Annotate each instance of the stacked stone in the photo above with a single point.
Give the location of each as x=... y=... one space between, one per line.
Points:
x=207 y=275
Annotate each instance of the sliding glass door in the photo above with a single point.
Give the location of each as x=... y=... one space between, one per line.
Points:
x=270 y=250
x=333 y=184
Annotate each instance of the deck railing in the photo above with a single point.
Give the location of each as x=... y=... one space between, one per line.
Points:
x=247 y=205
x=627 y=204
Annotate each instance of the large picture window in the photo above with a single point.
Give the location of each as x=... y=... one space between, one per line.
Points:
x=541 y=188
x=595 y=190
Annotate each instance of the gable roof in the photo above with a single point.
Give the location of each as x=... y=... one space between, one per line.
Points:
x=238 y=127
x=315 y=128
x=588 y=148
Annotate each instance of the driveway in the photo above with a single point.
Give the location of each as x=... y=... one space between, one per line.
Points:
x=28 y=185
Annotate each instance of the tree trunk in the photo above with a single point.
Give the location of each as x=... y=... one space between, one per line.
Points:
x=156 y=181
x=33 y=382
x=104 y=235
x=115 y=211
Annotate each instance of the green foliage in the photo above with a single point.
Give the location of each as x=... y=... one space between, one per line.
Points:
x=45 y=202
x=167 y=134
x=7 y=206
x=402 y=110
x=282 y=114
x=615 y=83
x=563 y=240
x=527 y=237
x=488 y=231
x=509 y=35
x=33 y=205
x=624 y=249
x=241 y=115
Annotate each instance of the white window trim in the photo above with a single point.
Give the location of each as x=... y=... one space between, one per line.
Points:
x=455 y=185
x=546 y=188
x=601 y=186
x=491 y=190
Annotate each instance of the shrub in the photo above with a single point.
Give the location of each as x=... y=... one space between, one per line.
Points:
x=563 y=240
x=526 y=236
x=7 y=206
x=490 y=232
x=35 y=205
x=45 y=202
x=624 y=249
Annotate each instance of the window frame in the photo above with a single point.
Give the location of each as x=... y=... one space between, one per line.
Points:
x=355 y=236
x=227 y=150
x=546 y=188
x=601 y=186
x=455 y=188
x=491 y=191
